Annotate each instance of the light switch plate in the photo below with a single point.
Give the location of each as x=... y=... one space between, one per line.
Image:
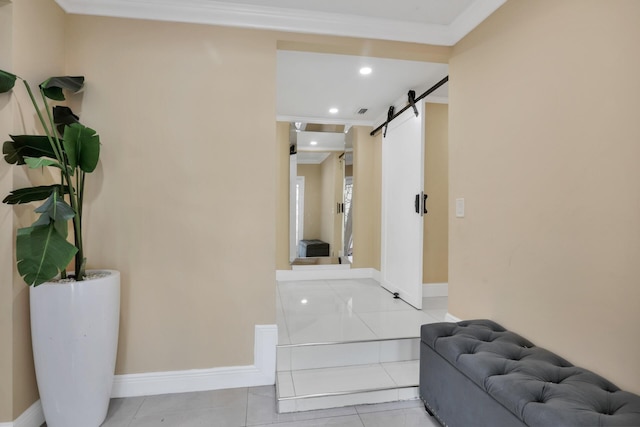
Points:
x=459 y=208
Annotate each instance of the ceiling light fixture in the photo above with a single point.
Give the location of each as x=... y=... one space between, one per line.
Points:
x=313 y=143
x=333 y=110
x=365 y=71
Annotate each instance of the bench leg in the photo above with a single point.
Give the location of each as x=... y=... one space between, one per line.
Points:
x=428 y=410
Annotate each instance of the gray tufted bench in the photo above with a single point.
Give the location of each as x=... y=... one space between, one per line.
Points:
x=476 y=373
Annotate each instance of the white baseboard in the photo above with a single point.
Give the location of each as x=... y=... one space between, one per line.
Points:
x=451 y=318
x=321 y=267
x=435 y=289
x=32 y=417
x=376 y=275
x=327 y=274
x=262 y=372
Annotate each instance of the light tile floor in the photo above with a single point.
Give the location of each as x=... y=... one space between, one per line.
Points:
x=254 y=406
x=319 y=311
x=333 y=310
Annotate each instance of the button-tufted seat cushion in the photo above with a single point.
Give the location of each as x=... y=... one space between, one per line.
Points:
x=538 y=387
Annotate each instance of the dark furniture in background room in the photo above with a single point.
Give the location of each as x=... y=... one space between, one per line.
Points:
x=313 y=248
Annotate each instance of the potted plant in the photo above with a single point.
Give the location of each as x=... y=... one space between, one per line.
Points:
x=74 y=316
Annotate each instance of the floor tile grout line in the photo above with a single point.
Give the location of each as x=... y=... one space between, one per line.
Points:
x=293 y=384
x=136 y=412
x=246 y=410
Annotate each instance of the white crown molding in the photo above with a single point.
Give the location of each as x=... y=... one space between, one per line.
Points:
x=290 y=20
x=472 y=17
x=323 y=120
x=262 y=372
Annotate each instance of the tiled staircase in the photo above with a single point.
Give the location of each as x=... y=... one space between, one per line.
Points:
x=339 y=374
x=346 y=343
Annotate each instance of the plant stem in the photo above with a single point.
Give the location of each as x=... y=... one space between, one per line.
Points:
x=63 y=272
x=77 y=229
x=55 y=145
x=80 y=267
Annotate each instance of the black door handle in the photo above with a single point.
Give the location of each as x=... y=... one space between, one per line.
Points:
x=424 y=203
x=417 y=203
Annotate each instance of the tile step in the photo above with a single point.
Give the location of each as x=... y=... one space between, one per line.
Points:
x=311 y=389
x=327 y=355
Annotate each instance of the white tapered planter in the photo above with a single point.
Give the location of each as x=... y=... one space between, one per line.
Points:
x=74 y=329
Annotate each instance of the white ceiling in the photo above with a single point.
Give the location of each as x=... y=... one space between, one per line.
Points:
x=439 y=22
x=308 y=84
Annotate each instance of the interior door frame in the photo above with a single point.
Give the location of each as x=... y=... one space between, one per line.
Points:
x=299 y=234
x=293 y=173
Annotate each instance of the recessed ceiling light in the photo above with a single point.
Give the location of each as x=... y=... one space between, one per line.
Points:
x=314 y=143
x=333 y=110
x=365 y=71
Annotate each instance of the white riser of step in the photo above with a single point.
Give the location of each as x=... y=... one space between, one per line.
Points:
x=292 y=358
x=356 y=398
x=310 y=389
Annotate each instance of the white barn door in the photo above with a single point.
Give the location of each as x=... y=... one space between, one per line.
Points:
x=402 y=186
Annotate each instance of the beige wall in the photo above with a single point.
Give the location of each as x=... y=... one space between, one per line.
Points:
x=435 y=264
x=282 y=199
x=170 y=102
x=367 y=184
x=312 y=200
x=6 y=230
x=329 y=216
x=544 y=147
x=170 y=205
x=364 y=47
x=32 y=47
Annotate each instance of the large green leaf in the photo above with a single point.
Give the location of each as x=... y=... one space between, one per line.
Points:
x=82 y=146
x=36 y=163
x=55 y=210
x=63 y=116
x=42 y=253
x=7 y=81
x=31 y=194
x=52 y=87
x=26 y=146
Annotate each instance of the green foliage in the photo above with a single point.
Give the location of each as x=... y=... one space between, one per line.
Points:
x=63 y=116
x=7 y=81
x=31 y=194
x=42 y=250
x=52 y=87
x=22 y=146
x=82 y=146
x=42 y=253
